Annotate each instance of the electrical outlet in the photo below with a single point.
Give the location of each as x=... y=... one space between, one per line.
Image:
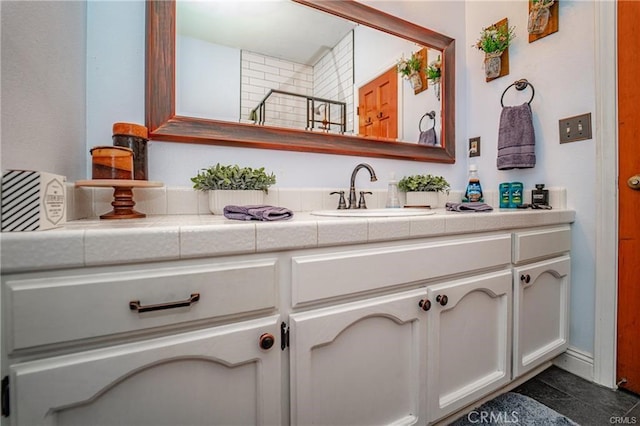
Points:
x=576 y=128
x=474 y=147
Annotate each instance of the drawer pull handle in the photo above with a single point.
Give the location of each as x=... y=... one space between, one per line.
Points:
x=135 y=305
x=442 y=299
x=525 y=278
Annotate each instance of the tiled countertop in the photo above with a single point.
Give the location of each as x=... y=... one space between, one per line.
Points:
x=94 y=242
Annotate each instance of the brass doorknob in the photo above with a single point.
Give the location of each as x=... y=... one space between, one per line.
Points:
x=634 y=182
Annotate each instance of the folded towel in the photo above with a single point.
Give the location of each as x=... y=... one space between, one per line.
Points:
x=260 y=212
x=428 y=137
x=516 y=138
x=469 y=207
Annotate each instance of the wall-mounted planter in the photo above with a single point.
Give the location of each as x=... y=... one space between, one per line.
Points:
x=543 y=18
x=497 y=71
x=422 y=54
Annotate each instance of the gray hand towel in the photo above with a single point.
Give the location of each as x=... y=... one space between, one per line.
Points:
x=260 y=212
x=516 y=138
x=468 y=207
x=428 y=137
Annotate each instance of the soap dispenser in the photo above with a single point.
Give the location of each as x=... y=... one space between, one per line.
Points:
x=393 y=201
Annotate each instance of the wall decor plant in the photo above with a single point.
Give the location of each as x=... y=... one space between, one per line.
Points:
x=494 y=41
x=543 y=18
x=232 y=184
x=413 y=70
x=434 y=72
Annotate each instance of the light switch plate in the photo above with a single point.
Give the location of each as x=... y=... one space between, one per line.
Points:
x=575 y=128
x=474 y=147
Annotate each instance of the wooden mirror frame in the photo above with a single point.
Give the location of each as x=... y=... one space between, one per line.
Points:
x=165 y=125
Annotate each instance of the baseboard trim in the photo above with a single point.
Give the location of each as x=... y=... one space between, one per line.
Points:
x=576 y=362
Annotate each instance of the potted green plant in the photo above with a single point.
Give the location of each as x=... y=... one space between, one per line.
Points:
x=424 y=190
x=232 y=184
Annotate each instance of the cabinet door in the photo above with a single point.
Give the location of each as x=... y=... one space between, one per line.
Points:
x=541 y=307
x=213 y=376
x=360 y=363
x=469 y=340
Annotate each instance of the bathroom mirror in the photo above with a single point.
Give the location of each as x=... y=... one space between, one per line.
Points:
x=165 y=125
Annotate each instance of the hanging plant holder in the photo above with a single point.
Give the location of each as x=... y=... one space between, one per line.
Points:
x=416 y=81
x=543 y=19
x=492 y=64
x=538 y=20
x=435 y=82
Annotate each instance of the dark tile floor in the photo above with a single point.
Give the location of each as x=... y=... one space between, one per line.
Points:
x=584 y=402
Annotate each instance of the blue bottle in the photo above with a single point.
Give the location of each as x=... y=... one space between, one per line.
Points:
x=474 y=189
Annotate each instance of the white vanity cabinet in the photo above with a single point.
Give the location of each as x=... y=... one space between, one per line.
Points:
x=122 y=345
x=469 y=340
x=541 y=286
x=384 y=332
x=374 y=360
x=360 y=363
x=217 y=375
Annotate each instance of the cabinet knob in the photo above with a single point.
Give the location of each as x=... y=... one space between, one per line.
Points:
x=266 y=341
x=442 y=299
x=525 y=278
x=425 y=304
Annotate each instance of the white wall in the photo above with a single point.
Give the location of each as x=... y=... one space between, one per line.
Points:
x=561 y=69
x=43 y=87
x=202 y=89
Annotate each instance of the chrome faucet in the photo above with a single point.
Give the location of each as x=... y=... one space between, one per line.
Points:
x=353 y=204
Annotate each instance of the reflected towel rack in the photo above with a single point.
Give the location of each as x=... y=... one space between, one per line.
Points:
x=431 y=115
x=519 y=85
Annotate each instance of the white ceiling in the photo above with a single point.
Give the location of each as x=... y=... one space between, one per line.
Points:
x=278 y=28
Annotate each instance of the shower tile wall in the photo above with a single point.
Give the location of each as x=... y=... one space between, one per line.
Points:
x=333 y=77
x=261 y=73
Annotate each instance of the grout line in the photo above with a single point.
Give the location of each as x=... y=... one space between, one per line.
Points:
x=636 y=405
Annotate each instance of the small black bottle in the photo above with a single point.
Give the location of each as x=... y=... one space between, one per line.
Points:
x=540 y=195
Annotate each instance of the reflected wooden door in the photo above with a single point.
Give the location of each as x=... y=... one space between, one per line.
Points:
x=628 y=365
x=378 y=106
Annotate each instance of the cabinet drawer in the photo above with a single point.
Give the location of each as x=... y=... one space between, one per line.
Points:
x=318 y=277
x=48 y=310
x=537 y=244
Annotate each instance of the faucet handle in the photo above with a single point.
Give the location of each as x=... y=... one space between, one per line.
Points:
x=362 y=204
x=342 y=204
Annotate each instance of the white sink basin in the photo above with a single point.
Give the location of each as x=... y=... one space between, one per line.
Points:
x=375 y=212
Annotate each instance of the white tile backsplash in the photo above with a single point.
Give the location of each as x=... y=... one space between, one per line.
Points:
x=93 y=202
